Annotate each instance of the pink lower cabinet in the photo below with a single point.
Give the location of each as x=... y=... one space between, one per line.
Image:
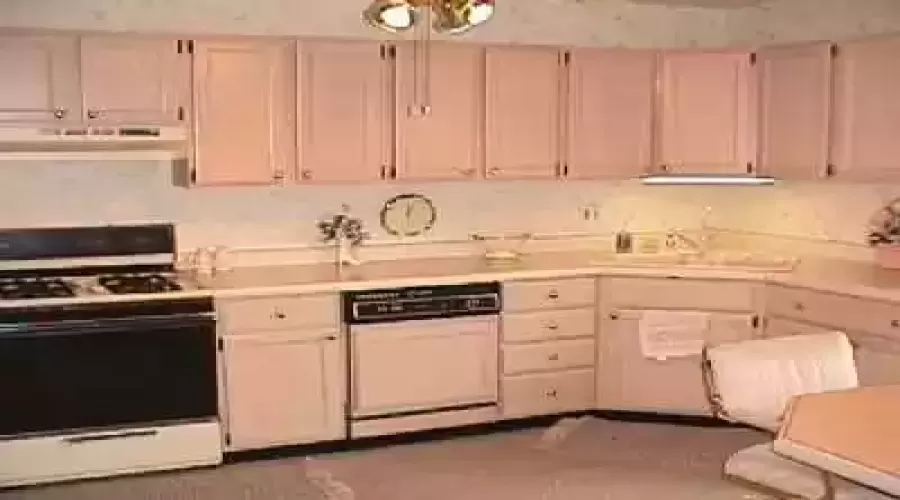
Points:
x=548 y=348
x=281 y=386
x=523 y=103
x=706 y=113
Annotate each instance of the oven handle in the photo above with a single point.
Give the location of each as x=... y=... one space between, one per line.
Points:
x=87 y=327
x=110 y=436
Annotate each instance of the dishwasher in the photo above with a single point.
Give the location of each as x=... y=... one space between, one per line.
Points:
x=422 y=357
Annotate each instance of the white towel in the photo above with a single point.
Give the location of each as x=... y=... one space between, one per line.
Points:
x=667 y=334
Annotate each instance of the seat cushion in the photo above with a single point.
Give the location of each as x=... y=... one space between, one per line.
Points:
x=755 y=379
x=759 y=464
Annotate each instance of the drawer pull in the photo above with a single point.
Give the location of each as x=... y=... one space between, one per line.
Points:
x=551 y=394
x=554 y=357
x=799 y=306
x=553 y=294
x=553 y=326
x=614 y=315
x=278 y=315
x=895 y=323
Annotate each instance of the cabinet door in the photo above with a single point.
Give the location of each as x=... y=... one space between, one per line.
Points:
x=283 y=389
x=627 y=380
x=706 y=113
x=783 y=327
x=795 y=95
x=40 y=78
x=523 y=112
x=867 y=110
x=610 y=113
x=342 y=105
x=244 y=111
x=445 y=142
x=133 y=79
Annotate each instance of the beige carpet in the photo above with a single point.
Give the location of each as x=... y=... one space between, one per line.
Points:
x=594 y=460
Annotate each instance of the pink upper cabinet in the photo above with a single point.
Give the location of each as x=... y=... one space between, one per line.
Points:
x=523 y=112
x=342 y=104
x=446 y=141
x=707 y=121
x=795 y=97
x=867 y=110
x=610 y=113
x=134 y=79
x=244 y=108
x=39 y=79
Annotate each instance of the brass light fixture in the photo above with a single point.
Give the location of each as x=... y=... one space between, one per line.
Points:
x=450 y=16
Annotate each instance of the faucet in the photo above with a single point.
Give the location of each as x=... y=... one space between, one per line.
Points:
x=701 y=243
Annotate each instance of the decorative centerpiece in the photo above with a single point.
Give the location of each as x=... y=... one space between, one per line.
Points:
x=884 y=235
x=348 y=234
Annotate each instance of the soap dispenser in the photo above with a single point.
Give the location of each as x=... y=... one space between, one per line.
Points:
x=624 y=239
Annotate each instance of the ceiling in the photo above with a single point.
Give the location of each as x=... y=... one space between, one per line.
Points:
x=717 y=4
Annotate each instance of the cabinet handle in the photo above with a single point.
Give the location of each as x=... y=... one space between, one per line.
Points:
x=614 y=315
x=799 y=306
x=554 y=357
x=60 y=113
x=551 y=394
x=305 y=174
x=467 y=172
x=93 y=114
x=278 y=315
x=553 y=294
x=553 y=326
x=493 y=171
x=895 y=323
x=663 y=168
x=331 y=337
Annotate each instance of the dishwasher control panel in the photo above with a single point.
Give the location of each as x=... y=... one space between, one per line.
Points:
x=421 y=302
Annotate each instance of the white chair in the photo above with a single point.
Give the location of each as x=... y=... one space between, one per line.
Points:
x=751 y=382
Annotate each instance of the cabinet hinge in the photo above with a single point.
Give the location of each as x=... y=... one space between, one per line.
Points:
x=383 y=51
x=181 y=113
x=220 y=344
x=749 y=167
x=393 y=171
x=829 y=170
x=567 y=57
x=754 y=321
x=752 y=58
x=179 y=46
x=565 y=170
x=190 y=46
x=833 y=49
x=228 y=438
x=392 y=52
x=193 y=175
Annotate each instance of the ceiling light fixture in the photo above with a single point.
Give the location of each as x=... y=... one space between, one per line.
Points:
x=706 y=180
x=450 y=16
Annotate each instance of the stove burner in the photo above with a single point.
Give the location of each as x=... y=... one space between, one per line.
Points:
x=151 y=283
x=34 y=289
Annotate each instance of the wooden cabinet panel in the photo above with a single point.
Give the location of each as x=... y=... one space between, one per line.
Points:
x=279 y=313
x=666 y=293
x=446 y=142
x=523 y=112
x=243 y=111
x=343 y=108
x=549 y=294
x=39 y=79
x=629 y=381
x=795 y=96
x=549 y=325
x=610 y=113
x=548 y=356
x=842 y=312
x=782 y=327
x=134 y=79
x=547 y=393
x=867 y=109
x=707 y=118
x=281 y=389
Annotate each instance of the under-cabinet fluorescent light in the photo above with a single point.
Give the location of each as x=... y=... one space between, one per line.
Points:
x=706 y=180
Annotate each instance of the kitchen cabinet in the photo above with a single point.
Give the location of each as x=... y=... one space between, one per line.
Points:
x=343 y=105
x=283 y=388
x=707 y=118
x=283 y=370
x=873 y=326
x=867 y=109
x=446 y=140
x=610 y=111
x=795 y=112
x=548 y=348
x=39 y=79
x=134 y=79
x=523 y=102
x=243 y=92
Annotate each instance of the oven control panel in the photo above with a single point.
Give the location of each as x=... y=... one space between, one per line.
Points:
x=424 y=302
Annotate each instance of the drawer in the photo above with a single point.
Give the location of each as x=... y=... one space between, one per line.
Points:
x=549 y=294
x=840 y=312
x=546 y=356
x=678 y=293
x=279 y=313
x=548 y=325
x=545 y=394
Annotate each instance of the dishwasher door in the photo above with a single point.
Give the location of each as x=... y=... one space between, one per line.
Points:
x=408 y=367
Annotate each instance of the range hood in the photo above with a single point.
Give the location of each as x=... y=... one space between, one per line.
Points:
x=706 y=180
x=76 y=136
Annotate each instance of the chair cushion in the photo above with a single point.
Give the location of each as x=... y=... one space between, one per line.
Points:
x=755 y=379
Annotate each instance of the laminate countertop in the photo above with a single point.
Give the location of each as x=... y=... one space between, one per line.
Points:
x=831 y=275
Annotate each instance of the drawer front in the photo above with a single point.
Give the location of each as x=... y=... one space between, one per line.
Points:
x=545 y=394
x=546 y=356
x=782 y=327
x=548 y=325
x=838 y=311
x=678 y=293
x=279 y=313
x=549 y=294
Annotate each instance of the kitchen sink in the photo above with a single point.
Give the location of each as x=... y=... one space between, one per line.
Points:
x=730 y=260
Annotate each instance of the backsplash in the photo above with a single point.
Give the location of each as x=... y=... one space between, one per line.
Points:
x=49 y=193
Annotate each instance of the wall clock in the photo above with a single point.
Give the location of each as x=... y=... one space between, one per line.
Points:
x=408 y=215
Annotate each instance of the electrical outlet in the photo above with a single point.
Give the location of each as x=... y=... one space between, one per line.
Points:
x=589 y=212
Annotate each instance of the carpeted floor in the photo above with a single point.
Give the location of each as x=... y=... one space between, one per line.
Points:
x=591 y=459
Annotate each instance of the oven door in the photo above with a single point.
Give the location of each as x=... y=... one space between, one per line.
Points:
x=66 y=376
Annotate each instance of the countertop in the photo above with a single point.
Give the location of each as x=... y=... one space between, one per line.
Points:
x=839 y=276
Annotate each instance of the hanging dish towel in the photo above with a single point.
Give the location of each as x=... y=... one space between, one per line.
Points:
x=668 y=334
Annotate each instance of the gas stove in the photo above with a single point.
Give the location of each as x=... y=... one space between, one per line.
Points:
x=18 y=288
